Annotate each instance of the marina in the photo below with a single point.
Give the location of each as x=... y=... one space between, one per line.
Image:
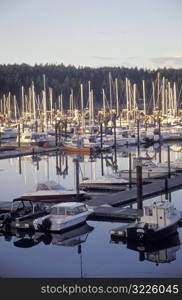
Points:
x=112 y=210
x=86 y=172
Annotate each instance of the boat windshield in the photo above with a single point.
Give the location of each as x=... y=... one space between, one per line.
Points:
x=46 y=187
x=42 y=187
x=68 y=211
x=76 y=210
x=58 y=211
x=57 y=187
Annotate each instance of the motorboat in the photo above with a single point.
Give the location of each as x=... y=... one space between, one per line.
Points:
x=52 y=191
x=63 y=216
x=159 y=220
x=176 y=164
x=149 y=170
x=75 y=145
x=105 y=182
x=33 y=138
x=21 y=214
x=7 y=133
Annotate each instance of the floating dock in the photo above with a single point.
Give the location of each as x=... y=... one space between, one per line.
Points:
x=122 y=198
x=115 y=214
x=25 y=151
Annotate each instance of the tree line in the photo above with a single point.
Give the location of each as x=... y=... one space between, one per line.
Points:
x=63 y=78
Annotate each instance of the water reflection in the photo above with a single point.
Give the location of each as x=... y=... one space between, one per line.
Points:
x=71 y=238
x=163 y=252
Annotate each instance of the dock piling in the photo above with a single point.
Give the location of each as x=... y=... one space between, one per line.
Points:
x=101 y=139
x=168 y=162
x=19 y=133
x=56 y=134
x=139 y=184
x=138 y=136
x=166 y=188
x=77 y=178
x=130 y=173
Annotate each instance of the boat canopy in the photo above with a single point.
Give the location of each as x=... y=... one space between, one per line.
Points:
x=49 y=185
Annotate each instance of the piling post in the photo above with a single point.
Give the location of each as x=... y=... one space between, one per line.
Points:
x=19 y=133
x=36 y=126
x=56 y=134
x=101 y=138
x=138 y=136
x=115 y=147
x=20 y=171
x=37 y=163
x=65 y=129
x=59 y=135
x=77 y=178
x=130 y=172
x=159 y=124
x=139 y=184
x=57 y=162
x=102 y=165
x=168 y=162
x=67 y=165
x=166 y=188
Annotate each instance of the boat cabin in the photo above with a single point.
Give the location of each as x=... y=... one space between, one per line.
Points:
x=159 y=213
x=70 y=209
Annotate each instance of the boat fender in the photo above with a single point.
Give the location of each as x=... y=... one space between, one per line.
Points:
x=46 y=224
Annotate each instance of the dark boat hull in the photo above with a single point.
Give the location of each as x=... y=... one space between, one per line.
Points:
x=54 y=198
x=136 y=233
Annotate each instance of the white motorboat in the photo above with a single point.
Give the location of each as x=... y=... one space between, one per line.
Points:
x=63 y=216
x=149 y=170
x=52 y=191
x=159 y=220
x=104 y=183
x=7 y=133
x=177 y=164
x=33 y=138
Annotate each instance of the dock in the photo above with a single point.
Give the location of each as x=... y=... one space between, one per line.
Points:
x=115 y=214
x=27 y=151
x=150 y=190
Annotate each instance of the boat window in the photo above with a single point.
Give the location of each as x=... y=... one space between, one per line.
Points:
x=148 y=211
x=17 y=205
x=82 y=209
x=61 y=211
x=72 y=212
x=57 y=211
x=42 y=187
x=57 y=187
x=54 y=211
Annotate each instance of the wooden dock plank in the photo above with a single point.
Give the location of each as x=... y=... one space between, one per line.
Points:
x=115 y=214
x=129 y=196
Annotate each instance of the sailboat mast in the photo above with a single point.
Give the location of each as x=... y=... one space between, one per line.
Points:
x=144 y=99
x=117 y=98
x=110 y=90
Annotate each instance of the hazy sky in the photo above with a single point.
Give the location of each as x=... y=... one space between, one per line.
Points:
x=142 y=33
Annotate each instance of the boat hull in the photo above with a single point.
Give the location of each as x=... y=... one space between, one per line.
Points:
x=137 y=233
x=76 y=149
x=53 y=198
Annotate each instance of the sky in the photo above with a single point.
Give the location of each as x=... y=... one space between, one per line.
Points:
x=95 y=33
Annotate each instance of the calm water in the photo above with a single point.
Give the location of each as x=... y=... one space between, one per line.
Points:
x=87 y=251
